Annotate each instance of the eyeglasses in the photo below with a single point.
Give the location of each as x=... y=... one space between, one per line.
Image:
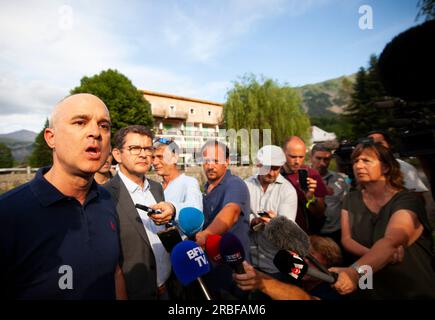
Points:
x=136 y=150
x=163 y=141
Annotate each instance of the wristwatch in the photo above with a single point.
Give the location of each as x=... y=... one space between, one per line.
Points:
x=358 y=269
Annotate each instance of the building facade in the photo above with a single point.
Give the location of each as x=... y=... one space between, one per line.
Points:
x=189 y=122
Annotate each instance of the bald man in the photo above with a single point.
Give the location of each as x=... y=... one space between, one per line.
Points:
x=310 y=215
x=59 y=237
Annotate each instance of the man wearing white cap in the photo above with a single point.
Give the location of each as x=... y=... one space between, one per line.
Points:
x=271 y=195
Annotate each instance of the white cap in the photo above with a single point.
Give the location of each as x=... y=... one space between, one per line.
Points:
x=271 y=156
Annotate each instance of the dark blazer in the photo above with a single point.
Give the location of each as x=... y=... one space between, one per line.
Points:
x=138 y=261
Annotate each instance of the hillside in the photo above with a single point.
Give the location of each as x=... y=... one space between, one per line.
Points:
x=327 y=98
x=20 y=142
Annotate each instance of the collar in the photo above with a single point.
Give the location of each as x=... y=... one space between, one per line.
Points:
x=131 y=186
x=227 y=174
x=279 y=180
x=47 y=194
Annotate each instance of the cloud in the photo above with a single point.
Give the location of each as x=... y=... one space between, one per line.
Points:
x=205 y=33
x=47 y=47
x=21 y=98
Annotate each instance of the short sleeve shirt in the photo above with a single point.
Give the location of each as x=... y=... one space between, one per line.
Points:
x=414 y=277
x=231 y=189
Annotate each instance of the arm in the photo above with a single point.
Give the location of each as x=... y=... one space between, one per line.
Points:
x=289 y=203
x=223 y=222
x=316 y=207
x=256 y=280
x=403 y=230
x=346 y=237
x=193 y=196
x=121 y=291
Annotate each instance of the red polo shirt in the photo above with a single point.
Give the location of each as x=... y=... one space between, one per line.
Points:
x=321 y=192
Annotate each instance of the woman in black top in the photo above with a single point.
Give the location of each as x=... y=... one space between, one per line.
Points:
x=387 y=228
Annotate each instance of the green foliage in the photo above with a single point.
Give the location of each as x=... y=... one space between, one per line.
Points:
x=265 y=104
x=427 y=9
x=6 y=159
x=327 y=98
x=337 y=124
x=42 y=155
x=317 y=102
x=361 y=112
x=126 y=104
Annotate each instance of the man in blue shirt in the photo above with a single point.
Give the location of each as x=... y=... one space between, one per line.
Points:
x=226 y=208
x=59 y=237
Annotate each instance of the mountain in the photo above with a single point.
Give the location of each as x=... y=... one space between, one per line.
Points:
x=20 y=142
x=21 y=135
x=327 y=98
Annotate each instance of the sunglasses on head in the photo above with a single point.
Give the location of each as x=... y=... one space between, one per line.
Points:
x=163 y=141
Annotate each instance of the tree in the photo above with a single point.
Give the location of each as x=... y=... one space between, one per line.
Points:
x=6 y=159
x=265 y=104
x=427 y=9
x=42 y=155
x=126 y=104
x=362 y=113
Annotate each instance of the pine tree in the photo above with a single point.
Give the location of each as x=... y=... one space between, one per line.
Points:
x=42 y=155
x=6 y=159
x=362 y=112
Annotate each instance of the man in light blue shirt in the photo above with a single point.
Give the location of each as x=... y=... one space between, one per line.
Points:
x=181 y=190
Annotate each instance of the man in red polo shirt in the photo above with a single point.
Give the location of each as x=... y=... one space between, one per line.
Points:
x=311 y=205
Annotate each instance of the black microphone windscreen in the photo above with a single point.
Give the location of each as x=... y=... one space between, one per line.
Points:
x=285 y=234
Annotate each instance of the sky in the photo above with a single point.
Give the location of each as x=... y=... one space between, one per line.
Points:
x=189 y=48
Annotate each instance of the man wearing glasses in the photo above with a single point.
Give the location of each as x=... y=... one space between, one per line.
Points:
x=181 y=190
x=145 y=262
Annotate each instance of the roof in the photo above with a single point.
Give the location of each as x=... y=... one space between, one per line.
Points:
x=319 y=135
x=172 y=96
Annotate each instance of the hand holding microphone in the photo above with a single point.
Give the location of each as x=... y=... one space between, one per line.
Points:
x=167 y=213
x=160 y=213
x=168 y=237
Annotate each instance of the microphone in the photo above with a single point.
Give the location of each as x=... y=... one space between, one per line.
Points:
x=290 y=263
x=212 y=248
x=189 y=263
x=293 y=265
x=284 y=234
x=232 y=252
x=190 y=221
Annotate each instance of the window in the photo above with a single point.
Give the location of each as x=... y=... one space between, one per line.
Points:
x=172 y=108
x=192 y=111
x=209 y=113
